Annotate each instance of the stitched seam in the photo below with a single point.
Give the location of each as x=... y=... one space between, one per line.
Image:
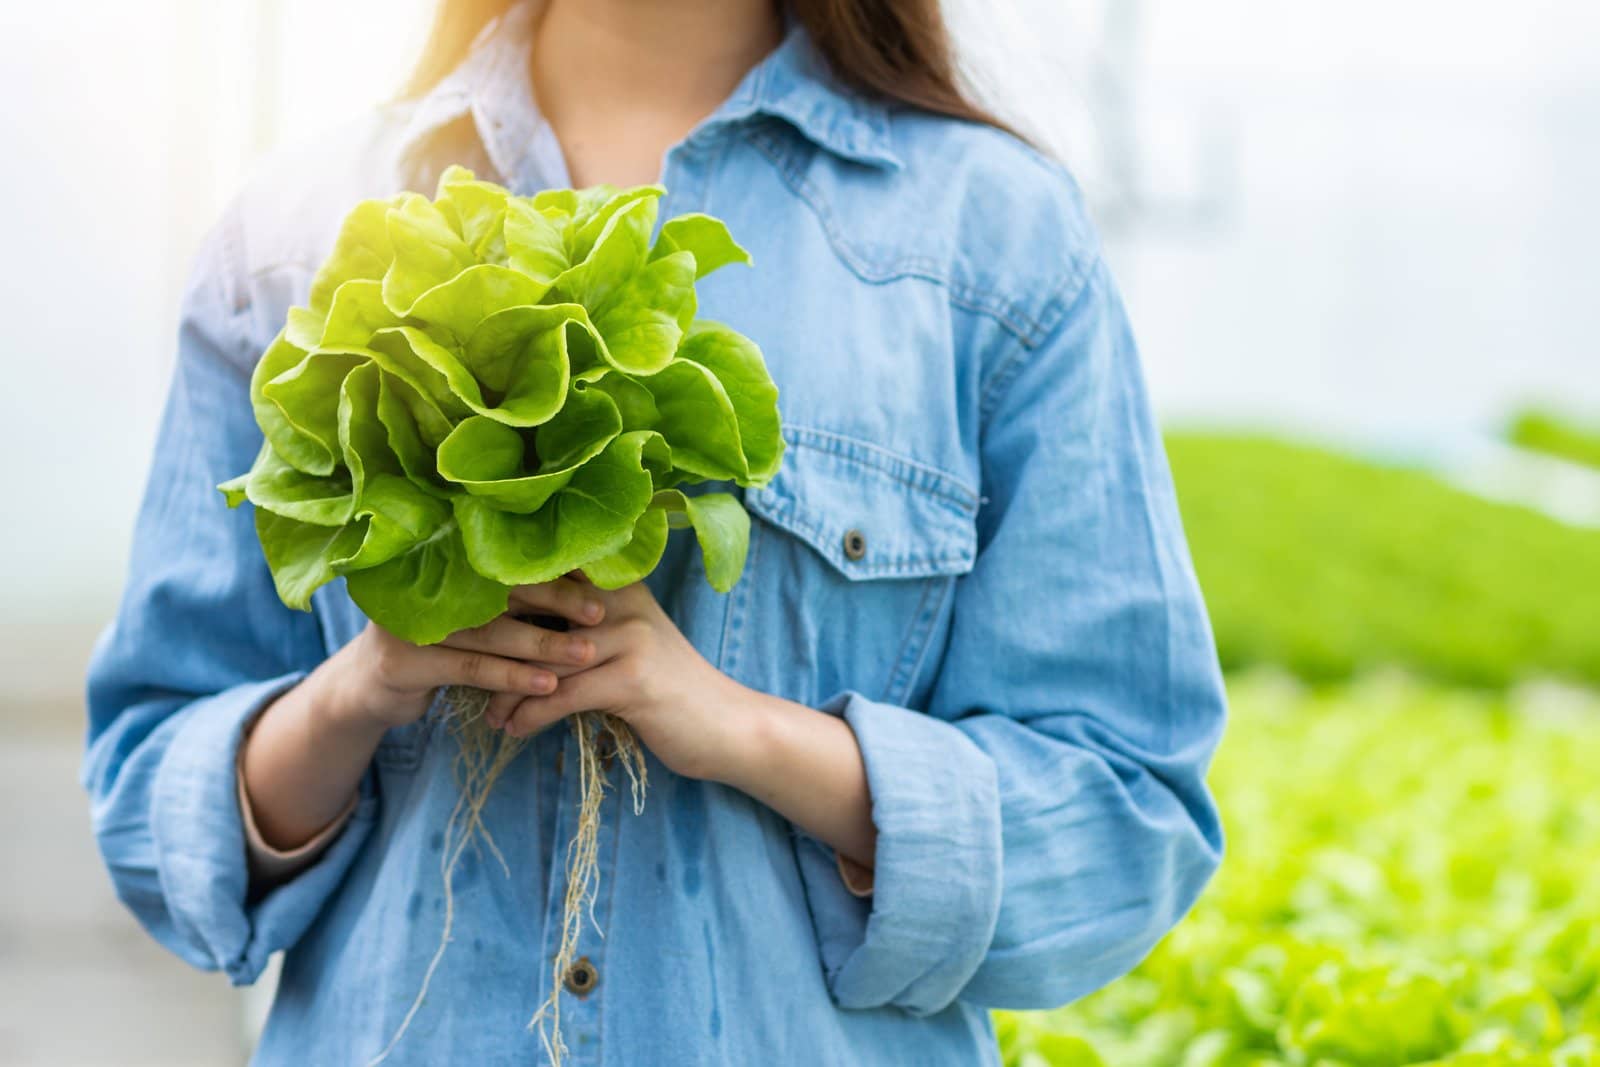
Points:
x=922 y=657
x=610 y=910
x=239 y=303
x=893 y=693
x=714 y=165
x=908 y=266
x=1001 y=376
x=854 y=449
x=831 y=136
x=1027 y=328
x=789 y=513
x=785 y=512
x=989 y=396
x=885 y=460
x=734 y=615
x=236 y=299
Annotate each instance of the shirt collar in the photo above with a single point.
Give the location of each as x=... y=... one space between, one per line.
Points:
x=792 y=83
x=491 y=85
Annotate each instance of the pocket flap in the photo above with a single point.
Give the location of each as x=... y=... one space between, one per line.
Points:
x=869 y=512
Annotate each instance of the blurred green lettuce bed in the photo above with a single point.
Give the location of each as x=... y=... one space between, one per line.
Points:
x=1413 y=866
x=1413 y=877
x=1556 y=435
x=1331 y=566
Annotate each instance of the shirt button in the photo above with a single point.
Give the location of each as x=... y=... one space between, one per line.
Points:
x=855 y=544
x=582 y=977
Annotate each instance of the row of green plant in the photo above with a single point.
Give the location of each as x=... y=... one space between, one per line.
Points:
x=1412 y=877
x=1556 y=435
x=1331 y=566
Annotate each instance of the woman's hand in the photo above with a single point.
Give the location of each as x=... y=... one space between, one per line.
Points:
x=646 y=673
x=307 y=751
x=802 y=763
x=383 y=680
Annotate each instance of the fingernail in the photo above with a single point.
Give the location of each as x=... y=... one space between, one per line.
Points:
x=544 y=683
x=592 y=611
x=582 y=650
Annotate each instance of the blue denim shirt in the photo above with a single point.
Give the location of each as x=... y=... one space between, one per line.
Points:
x=1021 y=649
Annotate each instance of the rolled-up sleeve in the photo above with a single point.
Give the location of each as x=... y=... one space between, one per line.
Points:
x=199 y=645
x=1044 y=821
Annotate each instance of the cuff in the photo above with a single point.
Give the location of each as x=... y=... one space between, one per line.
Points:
x=200 y=840
x=935 y=882
x=856 y=878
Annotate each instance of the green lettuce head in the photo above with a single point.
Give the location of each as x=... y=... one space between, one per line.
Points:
x=490 y=390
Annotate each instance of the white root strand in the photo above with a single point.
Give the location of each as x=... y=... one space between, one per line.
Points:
x=483 y=754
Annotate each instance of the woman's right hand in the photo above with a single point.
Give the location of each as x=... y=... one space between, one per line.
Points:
x=381 y=680
x=306 y=754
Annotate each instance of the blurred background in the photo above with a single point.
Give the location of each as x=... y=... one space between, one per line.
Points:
x=1357 y=239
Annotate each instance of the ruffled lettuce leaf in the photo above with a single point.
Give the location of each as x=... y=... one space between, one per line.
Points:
x=309 y=498
x=535 y=242
x=304 y=423
x=301 y=554
x=735 y=361
x=705 y=238
x=453 y=309
x=475 y=210
x=487 y=390
x=721 y=525
x=304 y=453
x=591 y=517
x=636 y=559
x=427 y=252
x=362 y=250
x=429 y=592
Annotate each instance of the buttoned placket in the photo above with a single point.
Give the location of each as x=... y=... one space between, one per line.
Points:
x=581 y=1015
x=522 y=147
x=686 y=174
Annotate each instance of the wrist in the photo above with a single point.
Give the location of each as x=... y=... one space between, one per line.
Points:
x=339 y=709
x=752 y=727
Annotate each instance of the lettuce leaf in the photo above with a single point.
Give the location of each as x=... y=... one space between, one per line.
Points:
x=486 y=390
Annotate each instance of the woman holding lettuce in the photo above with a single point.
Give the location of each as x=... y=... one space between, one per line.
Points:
x=941 y=750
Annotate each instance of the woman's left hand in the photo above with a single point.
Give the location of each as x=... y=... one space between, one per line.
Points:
x=645 y=672
x=800 y=762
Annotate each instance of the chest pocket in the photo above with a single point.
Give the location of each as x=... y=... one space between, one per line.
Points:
x=853 y=552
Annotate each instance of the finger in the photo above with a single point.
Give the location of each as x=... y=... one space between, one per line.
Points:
x=618 y=636
x=632 y=599
x=571 y=600
x=515 y=639
x=580 y=692
x=501 y=705
x=455 y=666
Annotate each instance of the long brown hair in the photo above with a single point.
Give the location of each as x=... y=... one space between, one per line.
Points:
x=897 y=50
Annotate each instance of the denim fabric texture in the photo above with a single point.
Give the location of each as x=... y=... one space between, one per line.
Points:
x=972 y=554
